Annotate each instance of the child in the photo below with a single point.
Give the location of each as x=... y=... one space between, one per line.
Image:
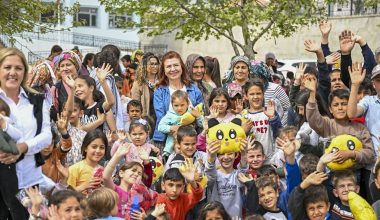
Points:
x=82 y=174
x=310 y=200
x=220 y=108
x=343 y=183
x=65 y=200
x=375 y=186
x=230 y=194
x=327 y=127
x=102 y=204
x=187 y=139
x=178 y=203
x=365 y=89
x=214 y=210
x=139 y=132
x=235 y=93
x=170 y=123
x=265 y=121
x=85 y=90
x=130 y=173
x=268 y=193
x=9 y=134
x=134 y=112
x=255 y=158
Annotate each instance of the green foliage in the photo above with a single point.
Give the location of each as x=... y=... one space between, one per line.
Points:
x=17 y=16
x=194 y=20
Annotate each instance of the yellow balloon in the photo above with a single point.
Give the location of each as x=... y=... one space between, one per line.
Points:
x=360 y=207
x=188 y=118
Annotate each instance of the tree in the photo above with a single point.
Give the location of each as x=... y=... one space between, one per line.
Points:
x=17 y=16
x=200 y=19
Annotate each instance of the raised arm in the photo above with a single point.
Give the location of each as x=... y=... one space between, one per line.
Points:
x=347 y=43
x=102 y=73
x=325 y=28
x=357 y=75
x=107 y=174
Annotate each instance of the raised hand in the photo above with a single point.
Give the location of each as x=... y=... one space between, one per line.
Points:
x=357 y=73
x=63 y=170
x=288 y=147
x=35 y=196
x=243 y=145
x=53 y=213
x=310 y=83
x=214 y=112
x=238 y=106
x=100 y=116
x=325 y=27
x=121 y=134
x=194 y=112
x=312 y=46
x=300 y=73
x=316 y=178
x=251 y=141
x=188 y=170
x=62 y=123
x=333 y=58
x=103 y=72
x=109 y=136
x=69 y=81
x=212 y=150
x=245 y=178
x=346 y=41
x=123 y=149
x=144 y=155
x=270 y=109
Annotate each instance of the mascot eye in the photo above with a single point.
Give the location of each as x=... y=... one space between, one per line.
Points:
x=232 y=134
x=219 y=135
x=351 y=145
x=334 y=149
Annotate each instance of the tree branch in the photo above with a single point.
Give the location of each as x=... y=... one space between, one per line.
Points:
x=208 y=24
x=234 y=46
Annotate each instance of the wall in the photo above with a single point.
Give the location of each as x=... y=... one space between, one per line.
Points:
x=284 y=48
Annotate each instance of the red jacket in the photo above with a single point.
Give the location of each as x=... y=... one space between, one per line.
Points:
x=177 y=209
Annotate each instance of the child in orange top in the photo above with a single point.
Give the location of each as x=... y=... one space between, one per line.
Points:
x=177 y=202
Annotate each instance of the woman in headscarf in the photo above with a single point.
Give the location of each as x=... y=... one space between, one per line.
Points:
x=239 y=71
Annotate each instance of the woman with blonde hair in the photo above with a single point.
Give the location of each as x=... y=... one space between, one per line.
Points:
x=30 y=113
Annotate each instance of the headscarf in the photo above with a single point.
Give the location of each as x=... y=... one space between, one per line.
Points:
x=41 y=74
x=260 y=69
x=229 y=75
x=190 y=62
x=67 y=55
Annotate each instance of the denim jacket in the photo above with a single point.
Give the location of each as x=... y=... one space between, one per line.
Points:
x=161 y=102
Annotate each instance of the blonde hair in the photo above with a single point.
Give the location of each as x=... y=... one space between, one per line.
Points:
x=101 y=202
x=6 y=52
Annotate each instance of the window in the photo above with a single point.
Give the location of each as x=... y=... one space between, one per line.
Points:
x=88 y=15
x=115 y=21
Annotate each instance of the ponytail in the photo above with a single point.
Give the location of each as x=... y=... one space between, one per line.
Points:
x=213 y=68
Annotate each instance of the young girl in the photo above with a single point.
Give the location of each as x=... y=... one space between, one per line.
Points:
x=66 y=204
x=214 y=210
x=170 y=123
x=85 y=175
x=129 y=174
x=264 y=121
x=85 y=90
x=139 y=133
x=102 y=204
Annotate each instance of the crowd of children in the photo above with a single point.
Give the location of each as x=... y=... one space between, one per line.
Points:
x=134 y=142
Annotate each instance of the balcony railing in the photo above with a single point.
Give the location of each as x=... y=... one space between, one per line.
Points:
x=352 y=8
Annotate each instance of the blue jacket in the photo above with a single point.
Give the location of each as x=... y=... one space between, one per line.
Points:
x=161 y=102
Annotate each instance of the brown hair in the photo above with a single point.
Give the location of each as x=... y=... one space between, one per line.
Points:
x=101 y=202
x=130 y=165
x=265 y=181
x=163 y=79
x=343 y=174
x=179 y=94
x=5 y=107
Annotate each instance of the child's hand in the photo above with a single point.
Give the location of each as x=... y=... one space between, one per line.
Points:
x=123 y=149
x=243 y=145
x=299 y=74
x=144 y=156
x=247 y=126
x=109 y=136
x=62 y=124
x=333 y=58
x=345 y=155
x=156 y=150
x=69 y=81
x=53 y=213
x=357 y=73
x=121 y=134
x=329 y=157
x=158 y=210
x=214 y=112
x=90 y=184
x=251 y=141
x=188 y=170
x=325 y=27
x=245 y=178
x=102 y=72
x=311 y=84
x=101 y=116
x=194 y=112
x=36 y=199
x=238 y=106
x=314 y=178
x=288 y=147
x=138 y=215
x=346 y=41
x=174 y=129
x=270 y=109
x=312 y=46
x=63 y=170
x=213 y=148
